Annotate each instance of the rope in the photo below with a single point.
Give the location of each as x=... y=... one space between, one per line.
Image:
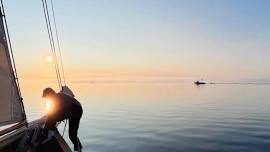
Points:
x=49 y=30
x=52 y=45
x=58 y=44
x=64 y=127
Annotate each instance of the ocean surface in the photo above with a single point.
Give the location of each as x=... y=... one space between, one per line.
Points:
x=165 y=117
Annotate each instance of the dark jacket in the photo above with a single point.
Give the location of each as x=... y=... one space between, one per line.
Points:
x=64 y=105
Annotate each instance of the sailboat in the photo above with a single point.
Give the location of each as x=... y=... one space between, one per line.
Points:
x=199 y=82
x=16 y=133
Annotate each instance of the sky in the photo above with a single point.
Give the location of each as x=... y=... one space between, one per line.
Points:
x=218 y=40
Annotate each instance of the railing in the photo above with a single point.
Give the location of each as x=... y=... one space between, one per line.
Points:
x=12 y=128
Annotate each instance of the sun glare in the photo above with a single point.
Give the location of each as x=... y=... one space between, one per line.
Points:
x=49 y=105
x=49 y=59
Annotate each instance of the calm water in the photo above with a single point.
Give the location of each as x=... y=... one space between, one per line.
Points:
x=162 y=117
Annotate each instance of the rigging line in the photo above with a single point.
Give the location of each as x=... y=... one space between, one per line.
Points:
x=52 y=40
x=58 y=43
x=53 y=44
x=11 y=51
x=64 y=128
x=44 y=4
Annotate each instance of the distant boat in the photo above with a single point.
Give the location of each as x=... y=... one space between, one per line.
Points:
x=199 y=82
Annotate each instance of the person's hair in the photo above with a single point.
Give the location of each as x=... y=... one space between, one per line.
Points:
x=48 y=91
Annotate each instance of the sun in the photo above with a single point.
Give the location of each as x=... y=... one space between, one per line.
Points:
x=49 y=106
x=49 y=59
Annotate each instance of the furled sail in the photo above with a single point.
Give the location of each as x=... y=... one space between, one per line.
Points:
x=11 y=108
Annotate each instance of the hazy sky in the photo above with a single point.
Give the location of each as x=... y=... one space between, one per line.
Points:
x=214 y=39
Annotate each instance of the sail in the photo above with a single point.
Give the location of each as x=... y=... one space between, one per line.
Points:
x=11 y=108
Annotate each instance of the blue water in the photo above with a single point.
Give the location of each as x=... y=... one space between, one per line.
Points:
x=162 y=117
